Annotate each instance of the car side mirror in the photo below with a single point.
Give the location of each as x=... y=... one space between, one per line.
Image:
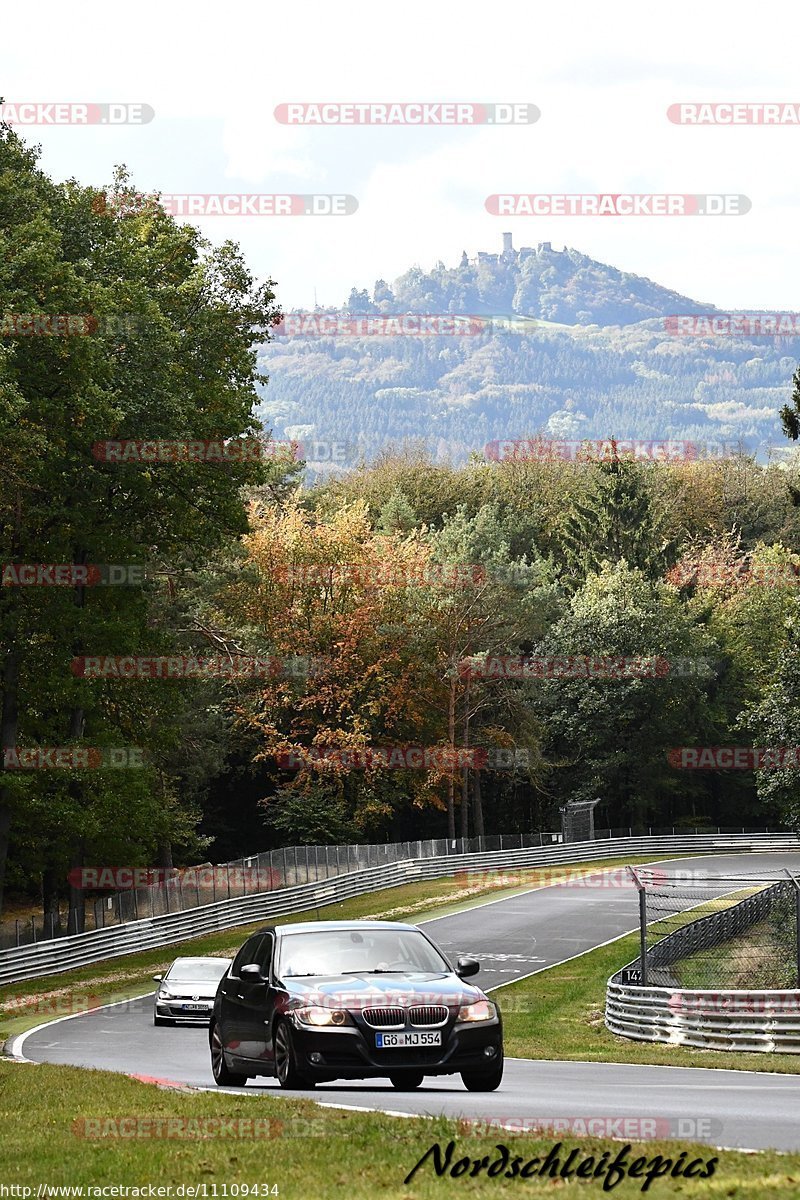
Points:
x=466 y=967
x=251 y=972
x=157 y=978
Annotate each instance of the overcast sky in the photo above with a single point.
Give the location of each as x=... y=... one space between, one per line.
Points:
x=603 y=77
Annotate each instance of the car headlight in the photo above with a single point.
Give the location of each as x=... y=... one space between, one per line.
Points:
x=482 y=1010
x=164 y=993
x=319 y=1017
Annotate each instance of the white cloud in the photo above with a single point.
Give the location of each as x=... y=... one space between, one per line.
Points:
x=602 y=78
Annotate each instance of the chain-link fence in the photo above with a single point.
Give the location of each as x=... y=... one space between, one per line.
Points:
x=719 y=932
x=192 y=887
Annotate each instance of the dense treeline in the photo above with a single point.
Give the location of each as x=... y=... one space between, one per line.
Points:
x=458 y=393
x=156 y=341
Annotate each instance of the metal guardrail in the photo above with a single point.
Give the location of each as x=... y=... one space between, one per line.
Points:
x=760 y=1021
x=77 y=950
x=174 y=890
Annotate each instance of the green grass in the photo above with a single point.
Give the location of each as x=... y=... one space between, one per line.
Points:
x=307 y=1151
x=26 y=1004
x=764 y=956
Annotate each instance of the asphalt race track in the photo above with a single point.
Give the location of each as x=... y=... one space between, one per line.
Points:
x=513 y=938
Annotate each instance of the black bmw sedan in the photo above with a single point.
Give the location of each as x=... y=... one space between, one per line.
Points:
x=326 y=1000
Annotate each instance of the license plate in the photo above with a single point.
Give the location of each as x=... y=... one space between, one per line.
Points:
x=391 y=1041
x=196 y=1007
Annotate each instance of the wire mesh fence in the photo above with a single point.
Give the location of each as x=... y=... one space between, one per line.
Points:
x=717 y=931
x=178 y=890
x=191 y=887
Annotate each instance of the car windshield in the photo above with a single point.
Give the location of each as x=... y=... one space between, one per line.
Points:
x=355 y=952
x=198 y=970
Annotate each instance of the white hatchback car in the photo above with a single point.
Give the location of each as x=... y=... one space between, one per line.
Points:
x=186 y=993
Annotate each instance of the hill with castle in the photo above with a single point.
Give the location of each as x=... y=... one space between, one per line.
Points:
x=562 y=286
x=591 y=355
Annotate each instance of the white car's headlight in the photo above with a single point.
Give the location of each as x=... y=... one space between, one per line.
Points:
x=319 y=1017
x=481 y=1010
x=164 y=993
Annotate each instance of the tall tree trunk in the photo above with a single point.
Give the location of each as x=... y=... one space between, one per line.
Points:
x=50 y=909
x=465 y=774
x=451 y=731
x=9 y=725
x=465 y=801
x=76 y=921
x=165 y=855
x=9 y=698
x=477 y=805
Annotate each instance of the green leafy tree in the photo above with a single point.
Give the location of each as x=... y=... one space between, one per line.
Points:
x=773 y=724
x=608 y=734
x=616 y=520
x=168 y=352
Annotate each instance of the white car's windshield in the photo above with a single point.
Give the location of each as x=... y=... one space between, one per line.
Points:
x=198 y=970
x=355 y=952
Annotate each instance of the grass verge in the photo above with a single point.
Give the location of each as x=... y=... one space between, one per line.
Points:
x=304 y=1150
x=764 y=956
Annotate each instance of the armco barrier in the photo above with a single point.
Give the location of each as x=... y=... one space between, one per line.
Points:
x=763 y=1021
x=65 y=953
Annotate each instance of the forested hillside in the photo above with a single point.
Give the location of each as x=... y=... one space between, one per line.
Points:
x=599 y=358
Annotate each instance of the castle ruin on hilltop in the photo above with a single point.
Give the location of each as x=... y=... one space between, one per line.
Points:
x=509 y=254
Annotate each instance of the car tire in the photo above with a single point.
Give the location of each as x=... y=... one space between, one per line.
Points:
x=163 y=1021
x=484 y=1081
x=406 y=1081
x=289 y=1076
x=223 y=1076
